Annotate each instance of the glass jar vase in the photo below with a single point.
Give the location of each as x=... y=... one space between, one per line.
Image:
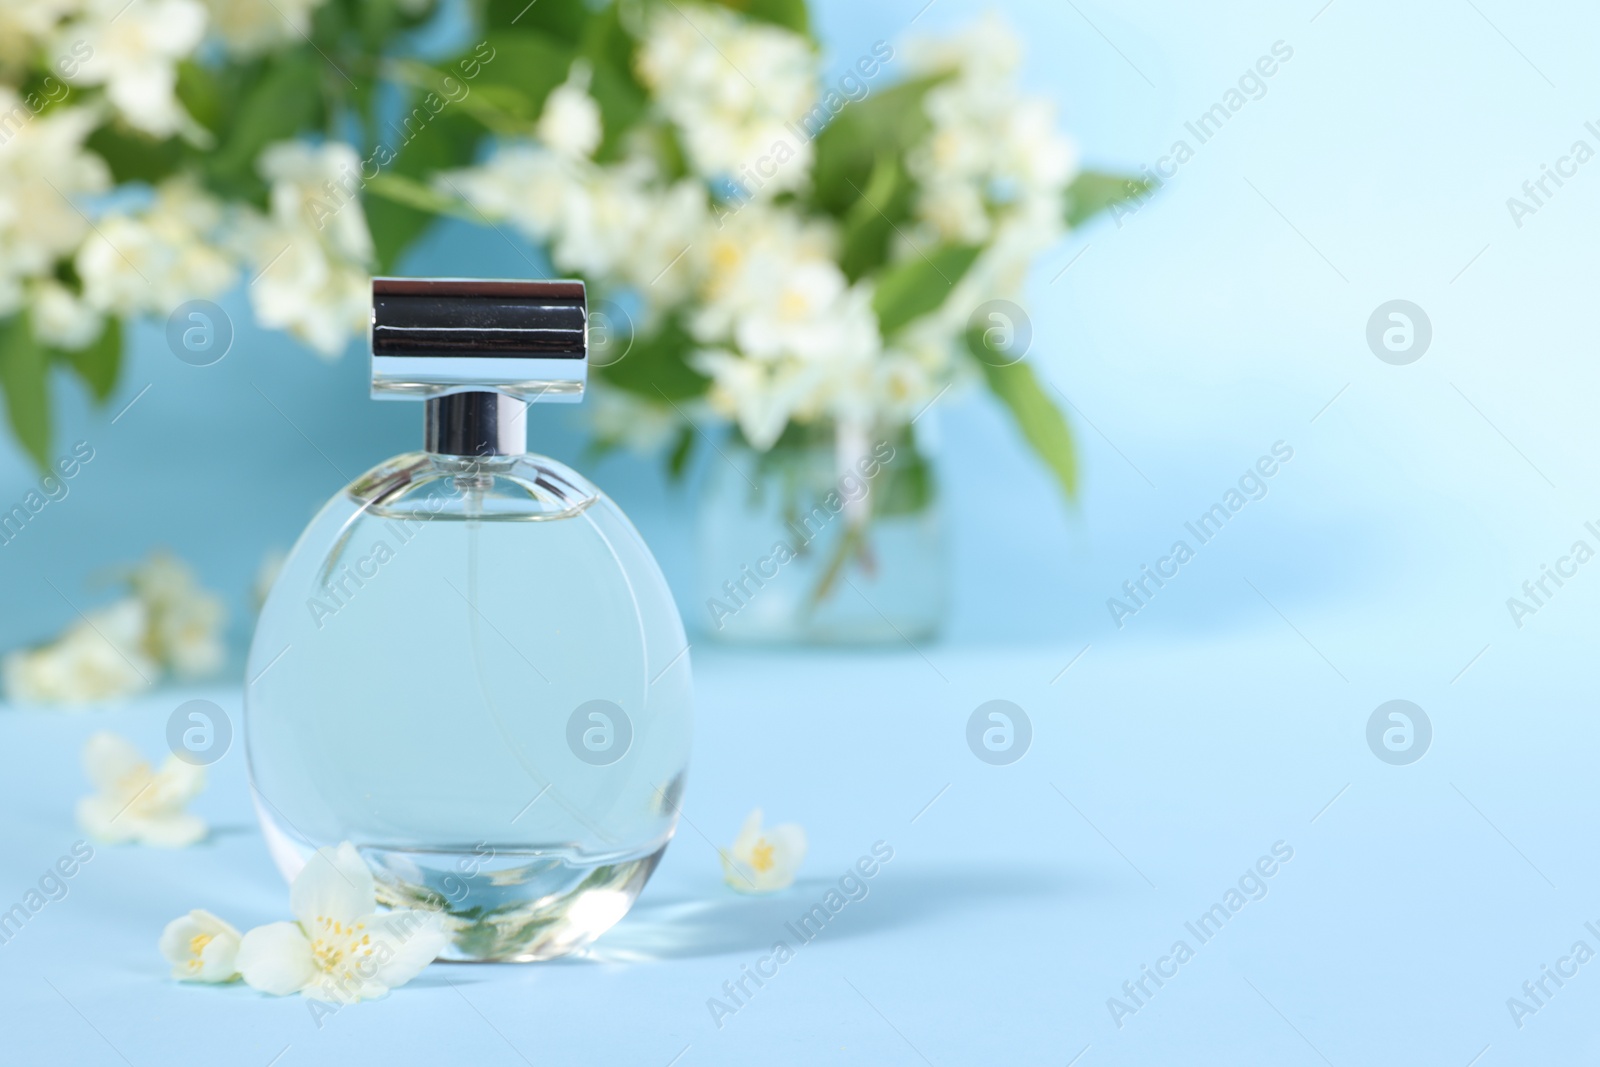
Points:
x=815 y=542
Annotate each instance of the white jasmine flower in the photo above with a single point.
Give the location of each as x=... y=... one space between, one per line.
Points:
x=813 y=315
x=521 y=183
x=634 y=422
x=312 y=251
x=762 y=861
x=570 y=122
x=62 y=318
x=662 y=265
x=339 y=948
x=43 y=166
x=99 y=658
x=187 y=637
x=993 y=154
x=956 y=211
x=154 y=260
x=761 y=397
x=25 y=25
x=1033 y=152
x=201 y=948
x=602 y=216
x=116 y=265
x=318 y=187
x=732 y=86
x=919 y=366
x=185 y=627
x=132 y=801
x=304 y=288
x=743 y=260
x=788 y=338
x=985 y=52
x=137 y=45
x=613 y=222
x=251 y=27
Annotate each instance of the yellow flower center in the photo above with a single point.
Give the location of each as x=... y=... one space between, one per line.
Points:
x=144 y=793
x=725 y=255
x=197 y=945
x=761 y=856
x=792 y=305
x=337 y=948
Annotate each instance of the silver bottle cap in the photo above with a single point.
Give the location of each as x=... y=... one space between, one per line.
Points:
x=478 y=351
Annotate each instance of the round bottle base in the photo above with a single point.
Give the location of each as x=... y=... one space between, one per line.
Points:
x=516 y=908
x=497 y=905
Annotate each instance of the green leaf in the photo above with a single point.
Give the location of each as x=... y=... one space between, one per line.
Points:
x=527 y=60
x=134 y=157
x=790 y=14
x=563 y=20
x=200 y=94
x=400 y=205
x=657 y=367
x=284 y=102
x=908 y=484
x=849 y=147
x=399 y=189
x=869 y=226
x=682 y=449
x=24 y=375
x=622 y=104
x=606 y=40
x=1091 y=193
x=911 y=289
x=377 y=21
x=98 y=364
x=1037 y=417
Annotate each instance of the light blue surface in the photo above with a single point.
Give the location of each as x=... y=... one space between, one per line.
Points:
x=1018 y=901
x=1227 y=314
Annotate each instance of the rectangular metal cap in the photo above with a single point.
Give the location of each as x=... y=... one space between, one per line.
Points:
x=433 y=337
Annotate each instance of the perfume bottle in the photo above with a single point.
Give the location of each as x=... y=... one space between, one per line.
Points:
x=470 y=666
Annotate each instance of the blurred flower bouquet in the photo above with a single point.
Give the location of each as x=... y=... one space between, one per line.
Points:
x=811 y=259
x=163 y=623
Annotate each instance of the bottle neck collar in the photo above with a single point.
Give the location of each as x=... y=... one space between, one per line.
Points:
x=475 y=424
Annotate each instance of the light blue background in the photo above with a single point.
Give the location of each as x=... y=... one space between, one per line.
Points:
x=1224 y=316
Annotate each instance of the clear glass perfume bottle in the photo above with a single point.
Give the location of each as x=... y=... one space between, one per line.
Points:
x=470 y=666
